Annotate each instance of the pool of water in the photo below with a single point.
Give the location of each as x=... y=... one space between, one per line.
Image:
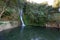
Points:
x=31 y=33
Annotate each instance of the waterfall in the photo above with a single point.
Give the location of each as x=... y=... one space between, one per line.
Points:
x=59 y=9
x=21 y=17
x=20 y=9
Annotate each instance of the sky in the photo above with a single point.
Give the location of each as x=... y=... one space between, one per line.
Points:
x=50 y=2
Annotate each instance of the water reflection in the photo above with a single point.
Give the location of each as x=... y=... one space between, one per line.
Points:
x=38 y=38
x=33 y=33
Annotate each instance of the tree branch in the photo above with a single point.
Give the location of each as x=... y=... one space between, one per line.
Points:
x=2 y=12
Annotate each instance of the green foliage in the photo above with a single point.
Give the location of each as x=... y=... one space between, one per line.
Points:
x=35 y=14
x=7 y=12
x=1 y=23
x=38 y=14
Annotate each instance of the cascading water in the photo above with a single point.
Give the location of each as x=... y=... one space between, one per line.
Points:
x=21 y=17
x=20 y=10
x=59 y=9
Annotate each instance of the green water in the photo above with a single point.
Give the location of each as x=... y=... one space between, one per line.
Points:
x=32 y=33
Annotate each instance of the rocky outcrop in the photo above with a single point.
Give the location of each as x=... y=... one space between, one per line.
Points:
x=8 y=25
x=53 y=25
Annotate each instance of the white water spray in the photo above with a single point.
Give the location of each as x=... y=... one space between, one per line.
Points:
x=21 y=17
x=59 y=9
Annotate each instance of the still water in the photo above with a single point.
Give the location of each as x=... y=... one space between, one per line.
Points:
x=32 y=33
